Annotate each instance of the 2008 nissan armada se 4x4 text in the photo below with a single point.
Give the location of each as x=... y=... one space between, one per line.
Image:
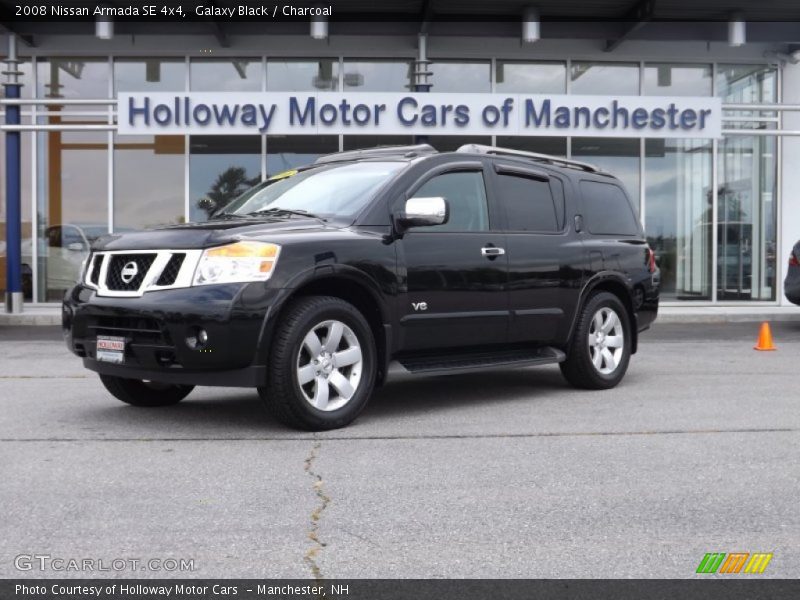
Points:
x=318 y=284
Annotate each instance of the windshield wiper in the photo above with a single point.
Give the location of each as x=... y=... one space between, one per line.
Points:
x=286 y=211
x=225 y=216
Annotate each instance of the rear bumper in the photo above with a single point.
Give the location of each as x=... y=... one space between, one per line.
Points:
x=159 y=328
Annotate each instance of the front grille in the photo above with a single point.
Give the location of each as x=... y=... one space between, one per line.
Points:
x=120 y=264
x=97 y=262
x=137 y=329
x=170 y=272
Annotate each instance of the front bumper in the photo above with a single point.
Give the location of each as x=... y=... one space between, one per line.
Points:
x=158 y=328
x=791 y=286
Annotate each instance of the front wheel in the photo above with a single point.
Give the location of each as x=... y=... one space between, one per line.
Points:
x=138 y=392
x=601 y=344
x=322 y=365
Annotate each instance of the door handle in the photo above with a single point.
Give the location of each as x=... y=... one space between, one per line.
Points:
x=492 y=251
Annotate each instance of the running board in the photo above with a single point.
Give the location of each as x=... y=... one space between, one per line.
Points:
x=442 y=364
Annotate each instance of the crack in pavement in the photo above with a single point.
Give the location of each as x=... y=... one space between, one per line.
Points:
x=454 y=436
x=313 y=533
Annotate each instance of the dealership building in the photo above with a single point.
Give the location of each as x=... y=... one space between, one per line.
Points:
x=125 y=125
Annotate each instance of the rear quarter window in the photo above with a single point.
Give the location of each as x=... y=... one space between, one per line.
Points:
x=607 y=210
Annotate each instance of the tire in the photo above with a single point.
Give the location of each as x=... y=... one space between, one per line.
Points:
x=145 y=393
x=332 y=392
x=592 y=362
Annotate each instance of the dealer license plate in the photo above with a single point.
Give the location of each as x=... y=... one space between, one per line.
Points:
x=111 y=349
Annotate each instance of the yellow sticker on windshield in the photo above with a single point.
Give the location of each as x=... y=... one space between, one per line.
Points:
x=283 y=175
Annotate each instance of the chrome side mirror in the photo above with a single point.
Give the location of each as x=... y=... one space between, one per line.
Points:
x=425 y=212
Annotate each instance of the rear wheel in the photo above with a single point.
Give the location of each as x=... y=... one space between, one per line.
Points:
x=322 y=365
x=138 y=392
x=600 y=348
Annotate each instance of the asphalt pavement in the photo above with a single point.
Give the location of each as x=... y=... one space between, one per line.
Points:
x=504 y=474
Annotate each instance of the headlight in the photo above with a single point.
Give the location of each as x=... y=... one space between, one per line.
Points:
x=237 y=263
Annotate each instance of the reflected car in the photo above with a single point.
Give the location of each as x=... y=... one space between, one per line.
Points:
x=791 y=285
x=66 y=248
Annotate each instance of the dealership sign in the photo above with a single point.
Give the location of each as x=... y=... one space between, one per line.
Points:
x=284 y=113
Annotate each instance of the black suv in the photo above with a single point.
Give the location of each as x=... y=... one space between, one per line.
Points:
x=322 y=282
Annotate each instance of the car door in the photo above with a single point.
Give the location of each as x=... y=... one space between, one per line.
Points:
x=455 y=273
x=544 y=256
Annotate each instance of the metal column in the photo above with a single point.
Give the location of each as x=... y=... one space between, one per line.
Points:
x=13 y=185
x=422 y=75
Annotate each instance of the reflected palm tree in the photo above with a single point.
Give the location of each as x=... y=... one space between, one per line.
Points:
x=229 y=184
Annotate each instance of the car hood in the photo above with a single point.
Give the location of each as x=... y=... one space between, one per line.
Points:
x=211 y=233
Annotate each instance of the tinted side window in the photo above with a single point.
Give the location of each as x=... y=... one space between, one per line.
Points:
x=465 y=192
x=606 y=209
x=529 y=203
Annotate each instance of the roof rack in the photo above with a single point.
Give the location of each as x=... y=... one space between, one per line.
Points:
x=405 y=151
x=554 y=160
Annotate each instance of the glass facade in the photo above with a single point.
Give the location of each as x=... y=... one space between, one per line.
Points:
x=713 y=244
x=221 y=167
x=378 y=75
x=673 y=79
x=157 y=198
x=604 y=78
x=72 y=187
x=530 y=77
x=303 y=75
x=679 y=215
x=619 y=156
x=231 y=74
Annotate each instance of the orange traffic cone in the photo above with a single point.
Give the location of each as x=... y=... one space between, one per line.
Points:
x=764 y=338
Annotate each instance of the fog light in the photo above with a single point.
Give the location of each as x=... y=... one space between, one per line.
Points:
x=198 y=339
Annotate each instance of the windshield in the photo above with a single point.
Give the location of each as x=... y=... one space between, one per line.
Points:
x=327 y=191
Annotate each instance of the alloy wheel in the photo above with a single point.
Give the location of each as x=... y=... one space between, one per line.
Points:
x=606 y=340
x=329 y=365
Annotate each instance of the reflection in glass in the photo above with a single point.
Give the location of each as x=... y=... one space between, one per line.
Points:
x=361 y=142
x=671 y=79
x=25 y=79
x=530 y=77
x=597 y=78
x=148 y=181
x=230 y=74
x=747 y=218
x=747 y=83
x=302 y=75
x=72 y=203
x=378 y=75
x=220 y=169
x=678 y=192
x=286 y=152
x=554 y=146
x=150 y=75
x=449 y=143
x=337 y=190
x=746 y=168
x=73 y=78
x=619 y=156
x=452 y=76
